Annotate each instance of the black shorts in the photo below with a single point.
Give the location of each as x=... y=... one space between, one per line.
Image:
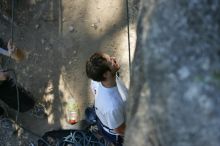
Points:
x=117 y=140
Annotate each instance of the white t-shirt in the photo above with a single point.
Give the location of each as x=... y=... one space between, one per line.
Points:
x=110 y=106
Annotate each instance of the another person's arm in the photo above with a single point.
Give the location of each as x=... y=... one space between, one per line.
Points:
x=4 y=52
x=9 y=50
x=13 y=52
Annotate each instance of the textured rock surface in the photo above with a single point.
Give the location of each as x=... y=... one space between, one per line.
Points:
x=174 y=97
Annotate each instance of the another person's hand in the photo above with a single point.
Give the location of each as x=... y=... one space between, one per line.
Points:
x=11 y=48
x=15 y=53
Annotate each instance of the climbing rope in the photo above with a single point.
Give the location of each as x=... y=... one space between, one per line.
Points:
x=12 y=32
x=12 y=42
x=72 y=137
x=12 y=21
x=128 y=30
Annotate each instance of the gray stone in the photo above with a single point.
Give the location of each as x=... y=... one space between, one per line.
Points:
x=174 y=90
x=37 y=26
